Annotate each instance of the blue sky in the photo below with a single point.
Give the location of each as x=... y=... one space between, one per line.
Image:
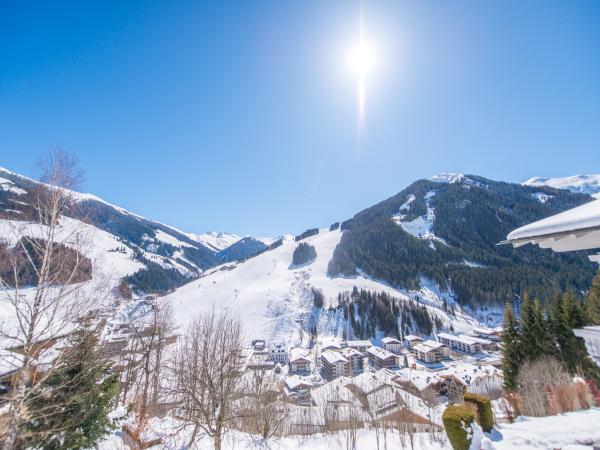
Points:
x=241 y=116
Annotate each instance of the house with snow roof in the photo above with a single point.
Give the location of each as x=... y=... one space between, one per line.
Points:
x=334 y=365
x=299 y=360
x=381 y=358
x=411 y=341
x=431 y=352
x=461 y=343
x=392 y=345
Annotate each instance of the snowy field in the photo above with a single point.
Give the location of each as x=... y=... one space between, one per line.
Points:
x=571 y=431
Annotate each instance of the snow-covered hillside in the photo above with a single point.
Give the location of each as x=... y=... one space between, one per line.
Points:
x=274 y=298
x=585 y=184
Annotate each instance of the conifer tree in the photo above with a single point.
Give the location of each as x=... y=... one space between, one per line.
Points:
x=530 y=347
x=593 y=302
x=571 y=350
x=511 y=349
x=542 y=331
x=573 y=311
x=72 y=408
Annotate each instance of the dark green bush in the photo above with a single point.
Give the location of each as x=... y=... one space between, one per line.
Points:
x=456 y=419
x=484 y=410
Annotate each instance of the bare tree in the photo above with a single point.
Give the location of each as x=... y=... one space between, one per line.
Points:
x=262 y=408
x=206 y=375
x=39 y=311
x=150 y=334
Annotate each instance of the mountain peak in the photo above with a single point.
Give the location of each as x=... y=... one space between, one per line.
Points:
x=448 y=177
x=584 y=184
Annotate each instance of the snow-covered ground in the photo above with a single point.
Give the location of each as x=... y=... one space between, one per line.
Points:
x=421 y=227
x=571 y=431
x=274 y=299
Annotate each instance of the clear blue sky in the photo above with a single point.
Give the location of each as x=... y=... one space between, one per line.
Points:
x=242 y=116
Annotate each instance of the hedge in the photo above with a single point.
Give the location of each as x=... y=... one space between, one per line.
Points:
x=457 y=419
x=484 y=410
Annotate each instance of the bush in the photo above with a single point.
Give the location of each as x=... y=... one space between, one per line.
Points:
x=485 y=415
x=457 y=419
x=304 y=253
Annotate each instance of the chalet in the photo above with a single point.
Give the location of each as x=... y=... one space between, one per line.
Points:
x=381 y=358
x=431 y=352
x=486 y=344
x=491 y=334
x=422 y=383
x=299 y=361
x=392 y=345
x=330 y=344
x=297 y=386
x=461 y=343
x=411 y=340
x=278 y=353
x=334 y=365
x=356 y=359
x=361 y=346
x=485 y=379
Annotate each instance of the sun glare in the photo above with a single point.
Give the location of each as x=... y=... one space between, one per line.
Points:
x=361 y=59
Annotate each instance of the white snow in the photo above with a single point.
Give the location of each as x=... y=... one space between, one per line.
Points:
x=7 y=185
x=274 y=299
x=216 y=241
x=448 y=177
x=421 y=227
x=585 y=184
x=172 y=240
x=541 y=197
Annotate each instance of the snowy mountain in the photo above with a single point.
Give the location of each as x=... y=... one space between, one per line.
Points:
x=585 y=184
x=447 y=229
x=216 y=241
x=275 y=299
x=154 y=258
x=433 y=244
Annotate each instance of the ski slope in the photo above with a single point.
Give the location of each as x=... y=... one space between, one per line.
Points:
x=274 y=298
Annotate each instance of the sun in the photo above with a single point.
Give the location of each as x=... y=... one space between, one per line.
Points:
x=361 y=58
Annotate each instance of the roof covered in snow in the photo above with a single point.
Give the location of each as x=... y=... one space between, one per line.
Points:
x=574 y=229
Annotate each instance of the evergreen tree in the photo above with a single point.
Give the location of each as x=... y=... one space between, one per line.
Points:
x=573 y=311
x=511 y=349
x=72 y=409
x=593 y=302
x=542 y=331
x=530 y=347
x=571 y=350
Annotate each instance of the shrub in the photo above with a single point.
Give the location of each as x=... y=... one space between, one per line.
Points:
x=484 y=410
x=457 y=419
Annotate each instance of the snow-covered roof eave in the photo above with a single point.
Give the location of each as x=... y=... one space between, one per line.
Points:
x=574 y=229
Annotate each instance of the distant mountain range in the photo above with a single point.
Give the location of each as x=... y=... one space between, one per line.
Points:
x=434 y=242
x=168 y=256
x=585 y=184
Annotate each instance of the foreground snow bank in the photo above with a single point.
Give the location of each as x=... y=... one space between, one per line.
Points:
x=571 y=431
x=577 y=430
